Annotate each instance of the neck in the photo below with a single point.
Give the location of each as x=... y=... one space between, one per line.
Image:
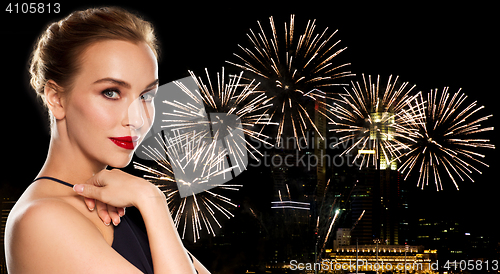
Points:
x=68 y=163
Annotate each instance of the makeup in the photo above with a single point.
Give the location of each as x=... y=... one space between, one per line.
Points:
x=126 y=142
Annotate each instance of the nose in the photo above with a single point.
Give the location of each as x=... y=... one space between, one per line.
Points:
x=135 y=115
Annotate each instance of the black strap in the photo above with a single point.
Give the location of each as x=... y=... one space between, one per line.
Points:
x=53 y=179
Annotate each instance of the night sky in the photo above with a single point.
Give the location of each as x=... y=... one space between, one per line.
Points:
x=430 y=46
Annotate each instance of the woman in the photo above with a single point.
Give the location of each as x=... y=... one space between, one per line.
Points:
x=97 y=73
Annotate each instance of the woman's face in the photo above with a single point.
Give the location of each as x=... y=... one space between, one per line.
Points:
x=110 y=108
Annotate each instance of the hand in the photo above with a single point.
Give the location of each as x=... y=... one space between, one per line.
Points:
x=117 y=189
x=108 y=214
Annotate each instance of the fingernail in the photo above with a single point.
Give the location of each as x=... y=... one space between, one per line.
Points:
x=115 y=224
x=78 y=188
x=107 y=224
x=91 y=208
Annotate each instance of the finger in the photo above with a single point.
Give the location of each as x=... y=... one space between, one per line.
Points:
x=97 y=179
x=90 y=203
x=102 y=211
x=88 y=191
x=113 y=214
x=121 y=211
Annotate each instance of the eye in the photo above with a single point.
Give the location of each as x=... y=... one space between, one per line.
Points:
x=148 y=96
x=111 y=94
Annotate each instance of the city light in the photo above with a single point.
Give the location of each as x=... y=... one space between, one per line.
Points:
x=290 y=204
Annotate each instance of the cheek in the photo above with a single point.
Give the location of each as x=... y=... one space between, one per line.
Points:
x=93 y=116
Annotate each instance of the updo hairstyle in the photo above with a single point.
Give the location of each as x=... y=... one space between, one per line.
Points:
x=57 y=53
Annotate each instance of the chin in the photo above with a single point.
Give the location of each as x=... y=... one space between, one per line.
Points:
x=120 y=161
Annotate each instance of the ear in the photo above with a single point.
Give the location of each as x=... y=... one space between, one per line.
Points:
x=53 y=98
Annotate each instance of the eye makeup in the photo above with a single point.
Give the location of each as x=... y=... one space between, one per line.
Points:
x=111 y=93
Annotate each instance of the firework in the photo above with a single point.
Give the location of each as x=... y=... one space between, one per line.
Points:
x=201 y=145
x=330 y=229
x=330 y=212
x=293 y=72
x=183 y=164
x=374 y=120
x=234 y=108
x=445 y=138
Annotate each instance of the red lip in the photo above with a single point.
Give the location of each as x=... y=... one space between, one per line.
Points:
x=126 y=142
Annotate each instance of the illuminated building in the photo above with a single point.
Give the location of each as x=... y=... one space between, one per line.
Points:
x=290 y=230
x=381 y=130
x=454 y=240
x=380 y=195
x=343 y=238
x=381 y=258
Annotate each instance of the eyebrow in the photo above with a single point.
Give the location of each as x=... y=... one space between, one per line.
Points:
x=123 y=83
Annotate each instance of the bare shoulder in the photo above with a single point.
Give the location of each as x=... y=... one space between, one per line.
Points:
x=49 y=235
x=30 y=210
x=44 y=216
x=39 y=227
x=40 y=216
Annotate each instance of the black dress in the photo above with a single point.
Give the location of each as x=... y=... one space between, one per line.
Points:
x=132 y=243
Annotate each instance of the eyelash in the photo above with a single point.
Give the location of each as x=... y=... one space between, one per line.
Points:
x=104 y=92
x=149 y=93
x=110 y=90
